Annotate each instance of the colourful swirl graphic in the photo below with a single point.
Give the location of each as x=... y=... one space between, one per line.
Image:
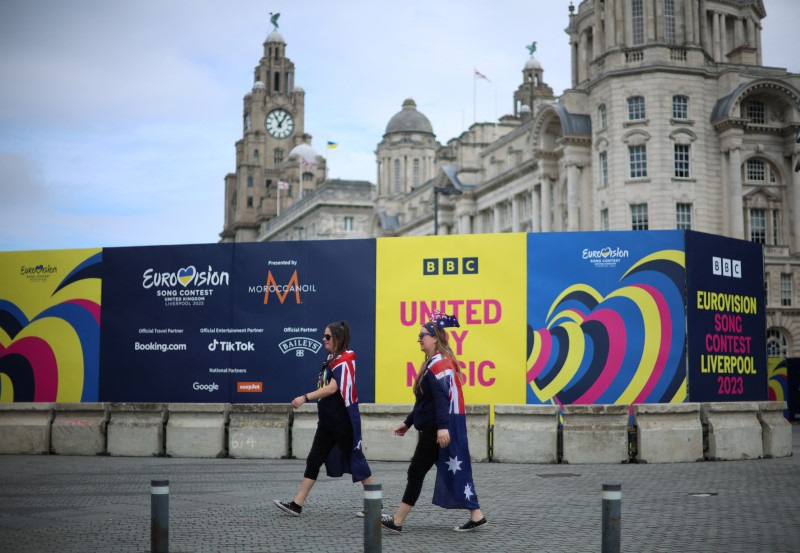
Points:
x=55 y=355
x=626 y=347
x=778 y=380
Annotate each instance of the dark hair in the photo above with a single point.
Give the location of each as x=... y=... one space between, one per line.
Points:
x=442 y=346
x=340 y=333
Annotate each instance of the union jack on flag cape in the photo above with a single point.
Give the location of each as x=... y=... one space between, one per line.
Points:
x=454 y=488
x=343 y=370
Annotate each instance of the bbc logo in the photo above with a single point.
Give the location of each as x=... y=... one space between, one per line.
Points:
x=450 y=266
x=726 y=267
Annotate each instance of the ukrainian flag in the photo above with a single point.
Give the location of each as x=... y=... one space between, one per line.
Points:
x=332 y=144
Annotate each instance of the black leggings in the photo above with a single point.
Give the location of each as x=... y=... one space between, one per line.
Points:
x=324 y=440
x=424 y=458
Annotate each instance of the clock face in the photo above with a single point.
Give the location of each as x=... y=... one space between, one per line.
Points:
x=279 y=123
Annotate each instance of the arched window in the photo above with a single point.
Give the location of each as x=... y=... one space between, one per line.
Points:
x=250 y=181
x=777 y=345
x=602 y=122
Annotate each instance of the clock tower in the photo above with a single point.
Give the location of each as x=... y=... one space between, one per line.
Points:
x=270 y=174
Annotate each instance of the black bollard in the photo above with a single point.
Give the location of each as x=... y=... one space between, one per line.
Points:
x=373 y=504
x=612 y=517
x=159 y=516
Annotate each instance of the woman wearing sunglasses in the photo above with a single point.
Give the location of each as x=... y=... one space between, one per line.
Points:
x=440 y=418
x=337 y=441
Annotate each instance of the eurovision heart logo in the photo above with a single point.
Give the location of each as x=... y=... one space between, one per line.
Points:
x=624 y=347
x=605 y=252
x=54 y=355
x=186 y=275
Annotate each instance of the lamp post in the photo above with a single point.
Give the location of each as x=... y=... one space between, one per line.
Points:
x=447 y=192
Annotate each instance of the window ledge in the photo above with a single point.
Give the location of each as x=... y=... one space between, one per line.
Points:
x=684 y=179
x=689 y=122
x=636 y=122
x=637 y=180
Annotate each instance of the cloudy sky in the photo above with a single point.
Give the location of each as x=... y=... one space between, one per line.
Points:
x=118 y=119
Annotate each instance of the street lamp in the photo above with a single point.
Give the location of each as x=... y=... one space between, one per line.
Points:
x=447 y=191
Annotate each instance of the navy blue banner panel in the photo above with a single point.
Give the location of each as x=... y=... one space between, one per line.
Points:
x=726 y=319
x=232 y=323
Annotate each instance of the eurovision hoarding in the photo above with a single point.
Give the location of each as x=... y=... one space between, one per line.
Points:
x=726 y=319
x=559 y=318
x=50 y=325
x=606 y=318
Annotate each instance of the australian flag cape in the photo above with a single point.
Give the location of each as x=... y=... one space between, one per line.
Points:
x=454 y=487
x=343 y=370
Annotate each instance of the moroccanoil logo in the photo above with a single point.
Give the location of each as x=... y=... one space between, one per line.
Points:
x=283 y=291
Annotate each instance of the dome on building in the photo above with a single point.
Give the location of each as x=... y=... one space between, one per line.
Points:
x=409 y=120
x=258 y=85
x=305 y=152
x=275 y=36
x=532 y=63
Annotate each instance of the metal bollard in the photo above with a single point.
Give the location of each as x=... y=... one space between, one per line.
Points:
x=372 y=518
x=612 y=517
x=159 y=516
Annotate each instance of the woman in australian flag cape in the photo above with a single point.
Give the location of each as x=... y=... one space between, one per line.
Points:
x=337 y=441
x=440 y=418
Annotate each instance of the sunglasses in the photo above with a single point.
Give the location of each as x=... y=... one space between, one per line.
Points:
x=326 y=337
x=421 y=334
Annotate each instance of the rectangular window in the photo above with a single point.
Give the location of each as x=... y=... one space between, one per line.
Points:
x=249 y=201
x=397 y=175
x=755 y=170
x=786 y=289
x=669 y=21
x=603 y=170
x=680 y=107
x=415 y=173
x=636 y=108
x=755 y=112
x=638 y=157
x=683 y=216
x=758 y=225
x=347 y=223
x=775 y=227
x=637 y=19
x=639 y=217
x=681 y=161
x=604 y=219
x=278 y=157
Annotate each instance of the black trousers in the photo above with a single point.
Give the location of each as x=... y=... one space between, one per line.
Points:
x=424 y=458
x=324 y=440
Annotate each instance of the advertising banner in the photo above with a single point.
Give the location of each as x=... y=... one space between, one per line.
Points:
x=726 y=319
x=290 y=291
x=50 y=325
x=232 y=323
x=478 y=278
x=606 y=318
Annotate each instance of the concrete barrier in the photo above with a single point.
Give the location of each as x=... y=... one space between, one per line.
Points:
x=25 y=428
x=776 y=431
x=304 y=425
x=197 y=429
x=378 y=422
x=79 y=428
x=595 y=434
x=668 y=432
x=136 y=429
x=259 y=430
x=734 y=431
x=478 y=432
x=525 y=434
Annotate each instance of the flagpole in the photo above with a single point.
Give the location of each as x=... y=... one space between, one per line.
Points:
x=474 y=88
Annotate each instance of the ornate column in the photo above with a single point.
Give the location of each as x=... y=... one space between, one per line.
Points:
x=514 y=213
x=536 y=210
x=751 y=32
x=794 y=247
x=715 y=37
x=723 y=37
x=611 y=27
x=689 y=22
x=736 y=205
x=572 y=197
x=583 y=66
x=546 y=217
x=598 y=34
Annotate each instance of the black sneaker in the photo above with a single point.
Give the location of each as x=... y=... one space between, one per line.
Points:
x=289 y=507
x=387 y=521
x=471 y=525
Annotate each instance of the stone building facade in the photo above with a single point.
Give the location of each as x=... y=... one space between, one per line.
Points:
x=671 y=121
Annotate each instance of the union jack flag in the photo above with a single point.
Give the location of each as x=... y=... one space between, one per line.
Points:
x=454 y=488
x=343 y=370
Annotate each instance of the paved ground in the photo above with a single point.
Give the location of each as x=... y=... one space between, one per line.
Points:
x=102 y=504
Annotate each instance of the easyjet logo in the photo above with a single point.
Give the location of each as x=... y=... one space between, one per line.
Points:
x=249 y=386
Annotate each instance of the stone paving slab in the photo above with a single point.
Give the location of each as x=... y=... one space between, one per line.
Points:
x=102 y=504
